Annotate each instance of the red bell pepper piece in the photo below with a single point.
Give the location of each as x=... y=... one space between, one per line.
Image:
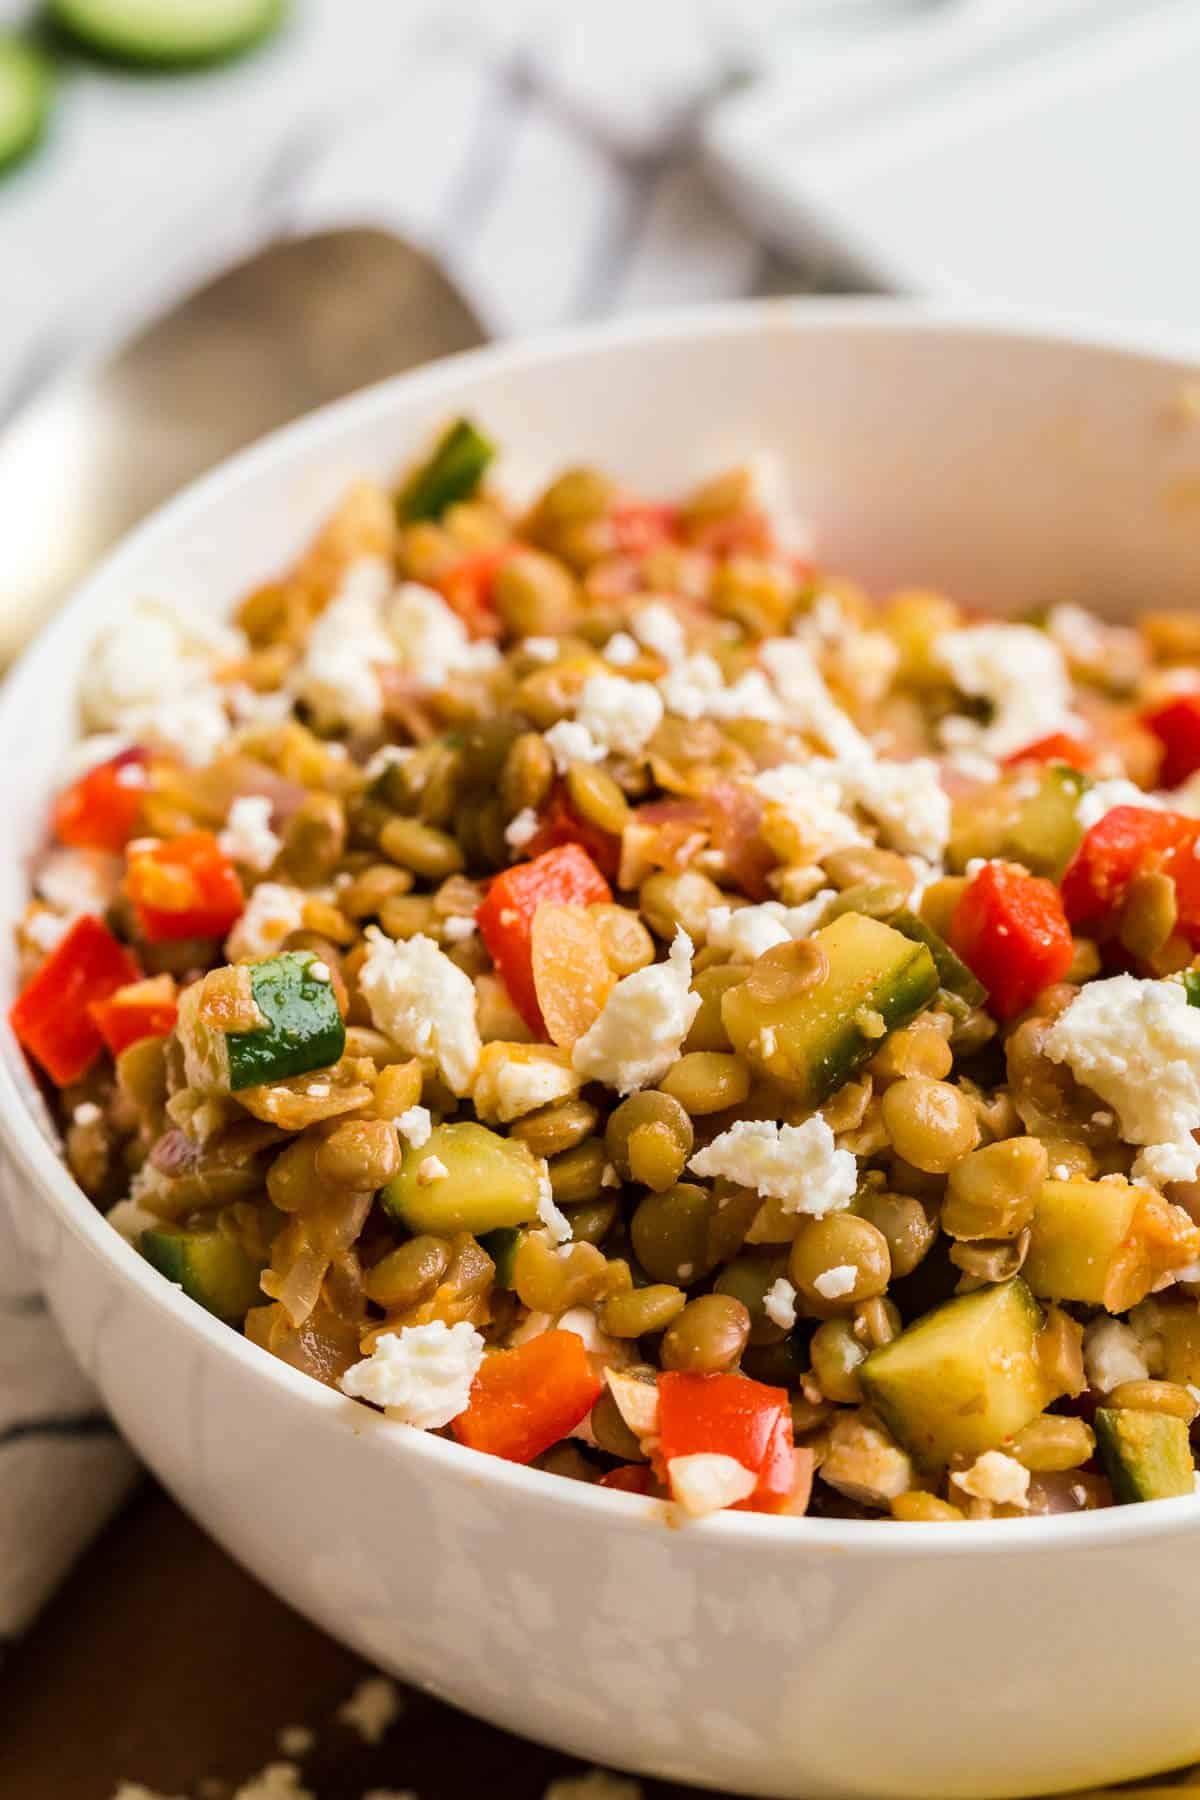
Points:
x=468 y=588
x=1129 y=841
x=730 y=1415
x=101 y=810
x=1176 y=725
x=144 y=1009
x=561 y=824
x=184 y=887
x=51 y=1018
x=566 y=876
x=1058 y=747
x=525 y=1400
x=640 y=526
x=629 y=1478
x=1011 y=931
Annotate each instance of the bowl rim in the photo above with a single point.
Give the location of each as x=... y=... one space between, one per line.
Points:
x=29 y=1143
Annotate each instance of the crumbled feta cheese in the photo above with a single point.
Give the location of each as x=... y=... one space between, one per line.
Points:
x=747 y=932
x=541 y=649
x=78 y=881
x=656 y=627
x=86 y=1113
x=806 y=700
x=707 y=1482
x=424 y=1002
x=372 y=1708
x=522 y=829
x=593 y=1784
x=1112 y=1353
x=569 y=742
x=338 y=676
x=906 y=799
x=995 y=1477
x=779 y=1303
x=388 y=756
x=147 y=662
x=809 y=796
x=431 y=1169
x=247 y=837
x=642 y=1025
x=636 y=1401
x=458 y=928
x=1019 y=672
x=421 y=1375
x=415 y=1124
x=249 y=707
x=130 y=1219
x=538 y=1078
x=621 y=715
x=1137 y=1045
x=45 y=930
x=1102 y=796
x=798 y=1165
x=551 y=1216
x=773 y=494
x=430 y=639
x=89 y=752
x=696 y=689
x=836 y=1283
x=621 y=650
x=272 y=912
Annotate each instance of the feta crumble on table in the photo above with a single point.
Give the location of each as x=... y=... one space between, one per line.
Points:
x=424 y=1003
x=619 y=714
x=415 y=1125
x=421 y=1375
x=746 y=932
x=273 y=911
x=836 y=1283
x=707 y=1482
x=798 y=1165
x=995 y=1477
x=248 y=837
x=641 y=1027
x=1137 y=1045
x=569 y=742
x=1019 y=672
x=779 y=1303
x=372 y=1708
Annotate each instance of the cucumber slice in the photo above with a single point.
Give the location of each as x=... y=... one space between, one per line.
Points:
x=167 y=33
x=209 y=1267
x=964 y=1377
x=1039 y=830
x=953 y=973
x=1082 y=1232
x=451 y=474
x=302 y=1028
x=26 y=90
x=1146 y=1455
x=490 y=1182
x=501 y=1246
x=815 y=1040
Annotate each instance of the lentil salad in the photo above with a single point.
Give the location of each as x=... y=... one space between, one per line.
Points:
x=583 y=978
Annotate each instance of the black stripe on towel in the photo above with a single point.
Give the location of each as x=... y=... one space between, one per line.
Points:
x=67 y=1425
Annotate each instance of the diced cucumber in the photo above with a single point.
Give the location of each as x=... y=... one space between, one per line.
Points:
x=964 y=1377
x=26 y=90
x=1191 y=985
x=209 y=1267
x=815 y=1039
x=1079 y=1232
x=167 y=32
x=452 y=473
x=1039 y=829
x=300 y=1027
x=1146 y=1455
x=1173 y=1326
x=953 y=973
x=501 y=1245
x=490 y=1182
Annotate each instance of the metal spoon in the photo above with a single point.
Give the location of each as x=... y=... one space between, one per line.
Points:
x=303 y=321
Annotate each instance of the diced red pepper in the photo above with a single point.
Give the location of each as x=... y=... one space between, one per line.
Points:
x=1176 y=725
x=561 y=824
x=184 y=887
x=1130 y=841
x=1058 y=747
x=468 y=588
x=566 y=876
x=51 y=1018
x=729 y=1415
x=1011 y=931
x=144 y=1009
x=525 y=1400
x=101 y=810
x=640 y=526
x=629 y=1478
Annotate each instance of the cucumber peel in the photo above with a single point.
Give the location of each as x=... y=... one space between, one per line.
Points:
x=452 y=473
x=167 y=33
x=26 y=93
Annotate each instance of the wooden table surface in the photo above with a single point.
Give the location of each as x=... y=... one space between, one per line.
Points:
x=160 y=1661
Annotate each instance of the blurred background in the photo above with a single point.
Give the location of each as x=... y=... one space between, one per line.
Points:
x=389 y=180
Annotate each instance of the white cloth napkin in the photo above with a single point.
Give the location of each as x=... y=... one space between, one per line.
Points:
x=543 y=152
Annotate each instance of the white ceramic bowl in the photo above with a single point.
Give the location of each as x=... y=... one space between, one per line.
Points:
x=798 y=1658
